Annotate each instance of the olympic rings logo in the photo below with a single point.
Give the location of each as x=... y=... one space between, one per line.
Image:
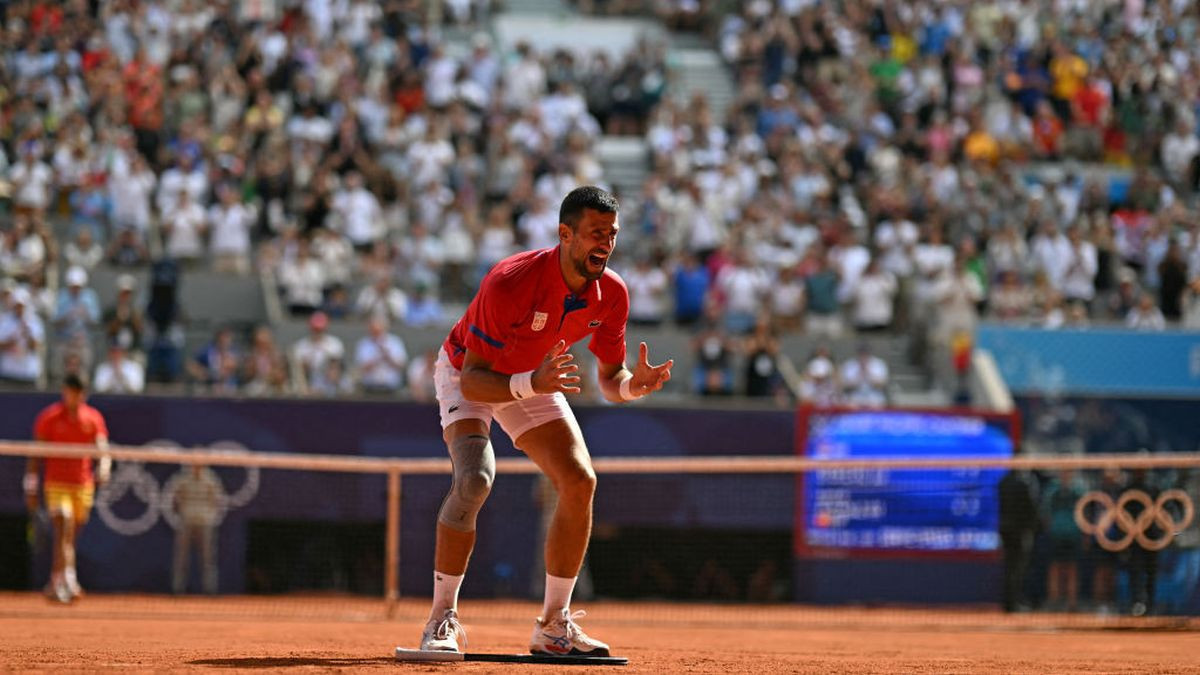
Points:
x=1154 y=512
x=132 y=478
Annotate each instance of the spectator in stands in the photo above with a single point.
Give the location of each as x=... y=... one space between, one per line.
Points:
x=24 y=252
x=217 y=367
x=302 y=278
x=231 y=222
x=1172 y=282
x=358 y=213
x=872 y=299
x=21 y=334
x=264 y=370
x=183 y=229
x=310 y=354
x=420 y=376
x=691 y=280
x=130 y=188
x=864 y=379
x=123 y=322
x=647 y=285
x=119 y=374
x=32 y=181
x=819 y=386
x=714 y=355
x=75 y=315
x=957 y=292
x=1145 y=315
x=381 y=298
x=424 y=309
x=83 y=251
x=762 y=362
x=126 y=250
x=380 y=359
x=823 y=317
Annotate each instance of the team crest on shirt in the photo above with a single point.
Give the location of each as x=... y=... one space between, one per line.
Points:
x=539 y=320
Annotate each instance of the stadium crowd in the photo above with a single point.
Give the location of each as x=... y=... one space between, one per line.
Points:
x=885 y=167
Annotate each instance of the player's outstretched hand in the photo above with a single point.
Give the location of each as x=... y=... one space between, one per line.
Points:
x=557 y=373
x=648 y=378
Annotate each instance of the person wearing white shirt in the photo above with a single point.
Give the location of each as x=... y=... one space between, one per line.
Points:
x=873 y=297
x=31 y=179
x=429 y=158
x=184 y=228
x=230 y=223
x=302 y=280
x=440 y=72
x=539 y=225
x=1052 y=253
x=21 y=332
x=647 y=284
x=130 y=191
x=381 y=298
x=1146 y=315
x=744 y=286
x=1079 y=280
x=895 y=240
x=864 y=379
x=359 y=211
x=185 y=176
x=1178 y=149
x=525 y=80
x=118 y=374
x=313 y=351
x=380 y=359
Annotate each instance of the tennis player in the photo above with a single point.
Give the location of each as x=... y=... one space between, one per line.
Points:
x=69 y=486
x=506 y=359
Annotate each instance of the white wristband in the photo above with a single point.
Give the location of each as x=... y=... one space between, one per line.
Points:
x=521 y=385
x=30 y=483
x=626 y=394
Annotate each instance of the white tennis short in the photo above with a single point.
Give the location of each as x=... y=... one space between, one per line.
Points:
x=515 y=417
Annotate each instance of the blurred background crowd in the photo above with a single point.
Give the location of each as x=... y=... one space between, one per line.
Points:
x=906 y=168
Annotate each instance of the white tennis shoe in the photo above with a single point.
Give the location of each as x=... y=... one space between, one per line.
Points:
x=559 y=635
x=442 y=635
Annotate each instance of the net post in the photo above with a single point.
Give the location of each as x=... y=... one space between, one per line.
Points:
x=392 y=553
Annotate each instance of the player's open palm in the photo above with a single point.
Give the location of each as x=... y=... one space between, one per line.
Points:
x=648 y=378
x=557 y=372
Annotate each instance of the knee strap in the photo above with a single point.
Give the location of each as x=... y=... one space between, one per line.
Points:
x=474 y=470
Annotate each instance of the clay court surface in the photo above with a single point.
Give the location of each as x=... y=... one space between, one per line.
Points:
x=219 y=635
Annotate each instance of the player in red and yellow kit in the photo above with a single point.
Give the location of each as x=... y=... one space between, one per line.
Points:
x=69 y=485
x=507 y=359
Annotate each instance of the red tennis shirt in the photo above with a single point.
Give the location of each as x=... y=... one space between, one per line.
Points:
x=55 y=425
x=523 y=308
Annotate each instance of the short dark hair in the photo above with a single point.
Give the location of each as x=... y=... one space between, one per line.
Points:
x=586 y=197
x=76 y=381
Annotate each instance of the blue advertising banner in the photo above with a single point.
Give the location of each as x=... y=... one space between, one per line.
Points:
x=891 y=509
x=1108 y=362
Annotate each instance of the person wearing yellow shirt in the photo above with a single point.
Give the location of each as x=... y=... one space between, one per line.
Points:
x=1067 y=74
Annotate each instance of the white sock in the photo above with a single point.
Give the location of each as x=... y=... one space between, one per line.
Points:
x=558 y=595
x=445 y=593
x=69 y=577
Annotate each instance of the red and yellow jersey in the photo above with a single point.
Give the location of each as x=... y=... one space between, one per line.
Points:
x=523 y=308
x=56 y=425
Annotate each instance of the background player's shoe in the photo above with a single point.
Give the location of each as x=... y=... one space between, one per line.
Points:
x=57 y=590
x=559 y=635
x=443 y=634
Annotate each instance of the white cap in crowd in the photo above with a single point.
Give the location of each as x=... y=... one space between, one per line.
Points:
x=76 y=276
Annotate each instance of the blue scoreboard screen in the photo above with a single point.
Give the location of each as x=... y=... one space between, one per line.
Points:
x=901 y=509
